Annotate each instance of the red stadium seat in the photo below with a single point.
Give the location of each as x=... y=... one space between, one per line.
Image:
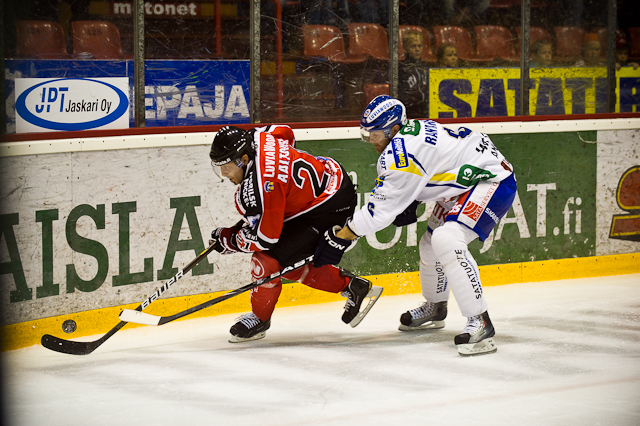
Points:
x=99 y=40
x=368 y=39
x=634 y=40
x=569 y=43
x=427 y=52
x=41 y=40
x=373 y=90
x=535 y=34
x=495 y=41
x=325 y=41
x=503 y=4
x=461 y=39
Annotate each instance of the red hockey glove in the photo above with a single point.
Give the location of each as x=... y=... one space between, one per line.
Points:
x=224 y=240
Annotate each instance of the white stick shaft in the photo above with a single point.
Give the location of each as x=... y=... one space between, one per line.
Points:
x=129 y=315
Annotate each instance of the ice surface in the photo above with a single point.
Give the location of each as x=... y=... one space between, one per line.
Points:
x=568 y=354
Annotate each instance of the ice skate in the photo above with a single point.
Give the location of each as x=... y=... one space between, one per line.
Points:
x=428 y=316
x=249 y=327
x=357 y=290
x=477 y=336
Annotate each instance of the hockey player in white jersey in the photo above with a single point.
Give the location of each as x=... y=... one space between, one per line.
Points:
x=473 y=186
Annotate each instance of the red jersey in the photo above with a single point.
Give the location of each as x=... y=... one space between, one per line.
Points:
x=281 y=183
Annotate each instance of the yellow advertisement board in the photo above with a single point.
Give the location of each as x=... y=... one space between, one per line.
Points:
x=495 y=92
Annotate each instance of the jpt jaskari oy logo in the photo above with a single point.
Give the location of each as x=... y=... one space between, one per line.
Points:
x=71 y=104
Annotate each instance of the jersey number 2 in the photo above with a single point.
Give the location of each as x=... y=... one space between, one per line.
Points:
x=318 y=186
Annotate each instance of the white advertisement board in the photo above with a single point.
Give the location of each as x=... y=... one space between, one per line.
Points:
x=65 y=104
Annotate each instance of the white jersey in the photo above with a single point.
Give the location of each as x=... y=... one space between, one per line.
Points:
x=427 y=162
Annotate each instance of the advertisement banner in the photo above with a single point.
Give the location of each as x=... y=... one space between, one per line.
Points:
x=184 y=93
x=92 y=229
x=618 y=199
x=45 y=104
x=177 y=93
x=495 y=92
x=553 y=213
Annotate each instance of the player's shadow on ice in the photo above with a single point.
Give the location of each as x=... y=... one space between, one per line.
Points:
x=285 y=339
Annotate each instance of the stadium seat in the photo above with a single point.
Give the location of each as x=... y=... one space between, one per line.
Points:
x=40 y=40
x=373 y=90
x=427 y=52
x=634 y=40
x=602 y=37
x=95 y=39
x=461 y=39
x=569 y=43
x=325 y=41
x=535 y=34
x=495 y=41
x=503 y=4
x=368 y=39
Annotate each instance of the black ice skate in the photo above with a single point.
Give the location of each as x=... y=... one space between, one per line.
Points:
x=427 y=316
x=357 y=290
x=249 y=327
x=477 y=336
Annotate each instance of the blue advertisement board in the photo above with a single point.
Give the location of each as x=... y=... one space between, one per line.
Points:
x=177 y=93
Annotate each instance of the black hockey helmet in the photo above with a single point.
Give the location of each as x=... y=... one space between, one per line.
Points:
x=230 y=143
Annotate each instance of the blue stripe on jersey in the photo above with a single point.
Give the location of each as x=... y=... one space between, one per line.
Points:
x=440 y=185
x=417 y=163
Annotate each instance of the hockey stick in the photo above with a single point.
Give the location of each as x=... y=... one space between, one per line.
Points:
x=84 y=348
x=136 y=316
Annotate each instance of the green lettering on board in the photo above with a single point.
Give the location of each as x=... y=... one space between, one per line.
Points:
x=86 y=246
x=48 y=288
x=14 y=266
x=125 y=276
x=185 y=208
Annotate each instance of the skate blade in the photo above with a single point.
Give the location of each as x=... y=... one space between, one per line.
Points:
x=431 y=325
x=373 y=295
x=486 y=346
x=236 y=339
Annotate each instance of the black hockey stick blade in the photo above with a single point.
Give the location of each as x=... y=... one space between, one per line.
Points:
x=73 y=347
x=142 y=318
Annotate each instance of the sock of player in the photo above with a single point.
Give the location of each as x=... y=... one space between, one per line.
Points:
x=450 y=243
x=265 y=297
x=326 y=278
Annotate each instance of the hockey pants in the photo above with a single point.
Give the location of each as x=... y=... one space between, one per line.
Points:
x=445 y=260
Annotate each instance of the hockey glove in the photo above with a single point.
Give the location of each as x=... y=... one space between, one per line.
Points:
x=224 y=240
x=330 y=248
x=408 y=216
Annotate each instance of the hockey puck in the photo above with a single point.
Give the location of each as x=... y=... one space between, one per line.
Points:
x=69 y=326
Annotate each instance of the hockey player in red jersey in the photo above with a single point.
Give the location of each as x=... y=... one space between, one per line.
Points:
x=288 y=199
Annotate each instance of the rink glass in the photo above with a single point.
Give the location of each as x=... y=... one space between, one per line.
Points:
x=198 y=56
